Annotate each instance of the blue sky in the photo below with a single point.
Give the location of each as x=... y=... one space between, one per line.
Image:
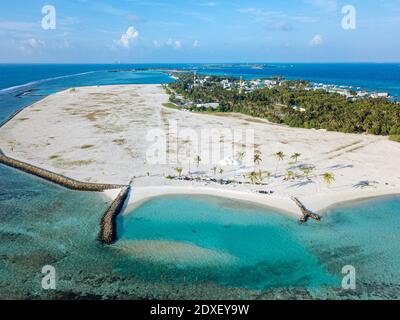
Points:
x=140 y=31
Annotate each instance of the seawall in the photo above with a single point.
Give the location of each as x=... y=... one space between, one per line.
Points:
x=108 y=226
x=54 y=177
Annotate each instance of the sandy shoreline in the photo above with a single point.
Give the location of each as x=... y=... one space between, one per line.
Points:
x=283 y=205
x=98 y=134
x=141 y=195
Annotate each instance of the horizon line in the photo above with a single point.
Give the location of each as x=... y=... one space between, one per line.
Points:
x=226 y=62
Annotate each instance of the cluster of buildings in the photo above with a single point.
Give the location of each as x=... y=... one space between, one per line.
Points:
x=245 y=86
x=248 y=86
x=348 y=93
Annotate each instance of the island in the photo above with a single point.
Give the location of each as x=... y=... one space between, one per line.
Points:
x=105 y=135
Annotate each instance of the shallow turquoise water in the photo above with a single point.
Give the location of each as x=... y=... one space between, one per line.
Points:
x=43 y=224
x=270 y=249
x=190 y=248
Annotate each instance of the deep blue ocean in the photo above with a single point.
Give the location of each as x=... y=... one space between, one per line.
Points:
x=41 y=223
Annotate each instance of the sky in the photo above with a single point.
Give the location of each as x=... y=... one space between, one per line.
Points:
x=204 y=31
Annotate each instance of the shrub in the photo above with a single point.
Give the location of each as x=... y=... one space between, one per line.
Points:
x=395 y=137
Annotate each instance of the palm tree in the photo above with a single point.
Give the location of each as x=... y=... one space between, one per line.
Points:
x=290 y=175
x=253 y=177
x=295 y=156
x=197 y=160
x=179 y=171
x=328 y=177
x=257 y=158
x=307 y=171
x=214 y=169
x=280 y=156
x=240 y=156
x=221 y=171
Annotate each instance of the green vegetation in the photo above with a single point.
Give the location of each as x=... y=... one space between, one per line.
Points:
x=171 y=106
x=87 y=146
x=295 y=157
x=328 y=178
x=179 y=171
x=119 y=142
x=395 y=137
x=252 y=176
x=293 y=104
x=257 y=158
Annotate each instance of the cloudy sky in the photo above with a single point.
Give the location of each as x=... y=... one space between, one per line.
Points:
x=138 y=31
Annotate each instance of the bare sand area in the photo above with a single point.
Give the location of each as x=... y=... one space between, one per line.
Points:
x=100 y=134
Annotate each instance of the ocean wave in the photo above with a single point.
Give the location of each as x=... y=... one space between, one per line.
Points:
x=33 y=83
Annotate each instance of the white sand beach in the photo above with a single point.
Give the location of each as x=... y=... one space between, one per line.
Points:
x=98 y=134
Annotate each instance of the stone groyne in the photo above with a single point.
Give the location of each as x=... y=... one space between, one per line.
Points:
x=306 y=213
x=56 y=178
x=108 y=226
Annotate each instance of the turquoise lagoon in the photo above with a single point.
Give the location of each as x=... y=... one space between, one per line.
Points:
x=258 y=248
x=191 y=247
x=245 y=246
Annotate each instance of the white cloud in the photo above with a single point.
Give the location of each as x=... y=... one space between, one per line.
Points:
x=176 y=44
x=328 y=5
x=283 y=26
x=128 y=37
x=34 y=43
x=196 y=43
x=30 y=45
x=316 y=41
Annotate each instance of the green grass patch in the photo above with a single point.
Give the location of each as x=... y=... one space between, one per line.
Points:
x=395 y=137
x=171 y=106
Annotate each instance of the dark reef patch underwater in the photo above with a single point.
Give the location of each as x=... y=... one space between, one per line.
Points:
x=239 y=252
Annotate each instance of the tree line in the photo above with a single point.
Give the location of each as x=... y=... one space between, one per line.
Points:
x=293 y=104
